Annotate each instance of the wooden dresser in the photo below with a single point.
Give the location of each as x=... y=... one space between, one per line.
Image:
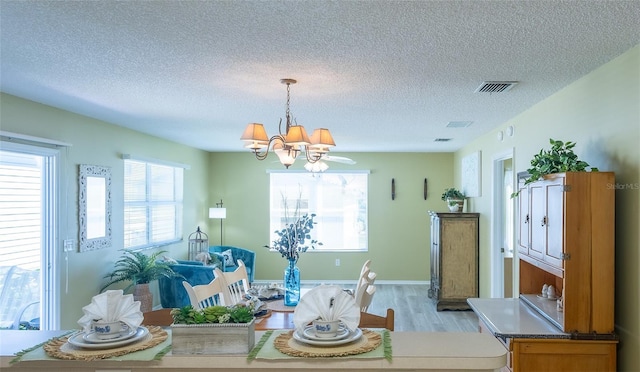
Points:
x=454 y=259
x=565 y=238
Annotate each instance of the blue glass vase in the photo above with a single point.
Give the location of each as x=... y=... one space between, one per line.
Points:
x=291 y=284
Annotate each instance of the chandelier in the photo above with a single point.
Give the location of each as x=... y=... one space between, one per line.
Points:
x=290 y=143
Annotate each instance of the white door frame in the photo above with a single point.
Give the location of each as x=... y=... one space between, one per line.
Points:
x=497 y=191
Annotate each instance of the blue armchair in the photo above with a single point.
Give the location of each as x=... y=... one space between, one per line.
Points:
x=247 y=256
x=172 y=292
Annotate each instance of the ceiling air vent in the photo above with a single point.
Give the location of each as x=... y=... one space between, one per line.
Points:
x=495 y=86
x=459 y=124
x=443 y=139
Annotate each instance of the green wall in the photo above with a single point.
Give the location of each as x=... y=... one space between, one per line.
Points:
x=601 y=113
x=398 y=229
x=99 y=143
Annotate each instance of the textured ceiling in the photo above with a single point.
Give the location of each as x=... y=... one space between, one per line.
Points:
x=384 y=76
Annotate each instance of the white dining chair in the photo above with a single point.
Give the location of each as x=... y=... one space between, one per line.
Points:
x=206 y=295
x=367 y=279
x=367 y=296
x=236 y=283
x=365 y=266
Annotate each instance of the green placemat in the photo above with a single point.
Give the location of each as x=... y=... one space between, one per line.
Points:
x=265 y=348
x=153 y=353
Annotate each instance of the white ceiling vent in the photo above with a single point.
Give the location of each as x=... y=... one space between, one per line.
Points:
x=459 y=124
x=442 y=139
x=495 y=86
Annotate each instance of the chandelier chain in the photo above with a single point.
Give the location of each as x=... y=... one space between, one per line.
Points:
x=288 y=112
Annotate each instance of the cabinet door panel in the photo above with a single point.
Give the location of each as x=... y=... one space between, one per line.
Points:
x=435 y=253
x=555 y=223
x=459 y=258
x=538 y=220
x=524 y=224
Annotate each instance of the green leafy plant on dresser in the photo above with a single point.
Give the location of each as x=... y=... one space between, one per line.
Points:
x=558 y=159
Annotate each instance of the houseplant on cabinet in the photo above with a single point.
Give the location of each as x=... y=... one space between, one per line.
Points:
x=560 y=158
x=454 y=198
x=140 y=270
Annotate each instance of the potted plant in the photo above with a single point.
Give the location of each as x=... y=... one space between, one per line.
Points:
x=293 y=239
x=454 y=198
x=213 y=330
x=140 y=270
x=560 y=158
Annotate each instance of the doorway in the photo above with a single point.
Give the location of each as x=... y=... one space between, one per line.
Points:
x=502 y=225
x=28 y=198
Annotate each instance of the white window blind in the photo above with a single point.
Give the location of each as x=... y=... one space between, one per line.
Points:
x=152 y=204
x=339 y=200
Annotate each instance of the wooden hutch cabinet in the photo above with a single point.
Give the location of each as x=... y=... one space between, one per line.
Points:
x=565 y=238
x=571 y=229
x=454 y=259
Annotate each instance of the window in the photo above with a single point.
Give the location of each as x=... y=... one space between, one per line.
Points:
x=339 y=200
x=28 y=226
x=152 y=204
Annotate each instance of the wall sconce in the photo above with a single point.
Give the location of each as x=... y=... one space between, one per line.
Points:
x=218 y=212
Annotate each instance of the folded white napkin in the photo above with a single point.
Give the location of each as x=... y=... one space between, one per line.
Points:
x=327 y=302
x=112 y=306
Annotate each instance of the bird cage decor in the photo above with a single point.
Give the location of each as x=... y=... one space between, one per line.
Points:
x=198 y=242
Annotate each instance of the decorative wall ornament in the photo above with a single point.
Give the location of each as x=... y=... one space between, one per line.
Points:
x=471 y=174
x=94 y=202
x=425 y=189
x=393 y=189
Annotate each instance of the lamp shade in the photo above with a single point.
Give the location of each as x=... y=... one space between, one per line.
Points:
x=321 y=137
x=254 y=132
x=297 y=135
x=217 y=212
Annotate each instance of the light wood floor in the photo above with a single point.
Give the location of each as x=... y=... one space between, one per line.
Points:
x=415 y=311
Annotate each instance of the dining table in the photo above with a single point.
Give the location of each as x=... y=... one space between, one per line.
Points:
x=403 y=351
x=411 y=351
x=278 y=316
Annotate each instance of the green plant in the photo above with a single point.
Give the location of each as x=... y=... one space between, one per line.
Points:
x=452 y=193
x=560 y=158
x=295 y=237
x=212 y=314
x=138 y=268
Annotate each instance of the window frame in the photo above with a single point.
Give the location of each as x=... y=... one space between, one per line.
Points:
x=310 y=206
x=149 y=205
x=49 y=306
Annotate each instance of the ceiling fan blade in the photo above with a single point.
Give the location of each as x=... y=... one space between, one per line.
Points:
x=338 y=159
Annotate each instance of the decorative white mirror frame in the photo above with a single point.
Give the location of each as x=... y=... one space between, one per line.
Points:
x=94 y=194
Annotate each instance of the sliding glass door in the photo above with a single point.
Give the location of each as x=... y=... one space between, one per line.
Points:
x=28 y=190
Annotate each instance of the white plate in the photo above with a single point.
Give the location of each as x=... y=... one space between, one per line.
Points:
x=311 y=334
x=78 y=340
x=93 y=338
x=352 y=337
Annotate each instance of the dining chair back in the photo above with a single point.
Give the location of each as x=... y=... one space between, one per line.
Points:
x=206 y=295
x=368 y=320
x=367 y=279
x=236 y=282
x=160 y=317
x=365 y=266
x=367 y=296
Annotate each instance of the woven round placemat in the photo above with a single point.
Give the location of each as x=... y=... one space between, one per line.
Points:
x=278 y=305
x=61 y=349
x=286 y=344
